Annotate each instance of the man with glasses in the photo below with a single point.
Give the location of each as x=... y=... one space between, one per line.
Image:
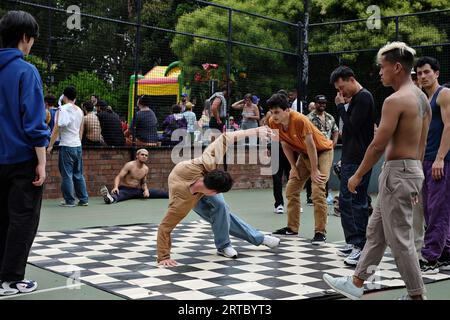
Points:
x=131 y=182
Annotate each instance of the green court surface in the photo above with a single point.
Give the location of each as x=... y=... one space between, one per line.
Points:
x=254 y=206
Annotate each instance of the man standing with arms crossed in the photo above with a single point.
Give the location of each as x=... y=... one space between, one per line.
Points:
x=403 y=130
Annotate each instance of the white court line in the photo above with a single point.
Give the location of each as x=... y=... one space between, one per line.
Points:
x=44 y=290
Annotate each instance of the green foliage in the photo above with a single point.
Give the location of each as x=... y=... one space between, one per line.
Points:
x=42 y=67
x=87 y=83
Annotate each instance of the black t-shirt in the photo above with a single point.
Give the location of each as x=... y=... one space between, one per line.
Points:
x=357 y=133
x=145 y=123
x=111 y=128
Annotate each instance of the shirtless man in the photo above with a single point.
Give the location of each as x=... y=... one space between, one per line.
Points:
x=403 y=130
x=131 y=182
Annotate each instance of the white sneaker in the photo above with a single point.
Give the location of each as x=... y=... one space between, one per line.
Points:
x=228 y=252
x=353 y=257
x=23 y=286
x=106 y=195
x=345 y=251
x=271 y=242
x=345 y=286
x=279 y=209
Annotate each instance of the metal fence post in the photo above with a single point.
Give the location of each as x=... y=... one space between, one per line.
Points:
x=136 y=65
x=302 y=92
x=396 y=28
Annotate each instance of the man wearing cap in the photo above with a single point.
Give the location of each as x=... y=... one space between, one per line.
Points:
x=357 y=134
x=324 y=121
x=183 y=101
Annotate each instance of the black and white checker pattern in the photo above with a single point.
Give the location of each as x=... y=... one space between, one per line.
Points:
x=122 y=260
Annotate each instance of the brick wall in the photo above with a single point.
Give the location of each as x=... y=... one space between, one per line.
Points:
x=101 y=165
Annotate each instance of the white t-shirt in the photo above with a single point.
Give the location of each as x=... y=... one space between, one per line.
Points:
x=294 y=106
x=70 y=133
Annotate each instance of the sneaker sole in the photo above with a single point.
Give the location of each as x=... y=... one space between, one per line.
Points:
x=352 y=263
x=341 y=254
x=346 y=294
x=318 y=243
x=432 y=271
x=9 y=292
x=285 y=235
x=224 y=255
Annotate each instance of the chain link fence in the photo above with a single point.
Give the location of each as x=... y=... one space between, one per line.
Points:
x=115 y=52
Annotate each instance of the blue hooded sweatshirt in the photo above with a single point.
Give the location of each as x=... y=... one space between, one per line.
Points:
x=22 y=109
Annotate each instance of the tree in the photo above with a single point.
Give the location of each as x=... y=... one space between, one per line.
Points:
x=87 y=83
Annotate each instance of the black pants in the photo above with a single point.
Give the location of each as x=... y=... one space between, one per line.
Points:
x=214 y=125
x=283 y=170
x=20 y=207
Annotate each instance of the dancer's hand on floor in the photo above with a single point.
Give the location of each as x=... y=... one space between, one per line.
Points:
x=167 y=263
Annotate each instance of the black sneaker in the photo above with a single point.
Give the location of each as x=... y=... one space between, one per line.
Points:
x=319 y=238
x=443 y=265
x=286 y=231
x=309 y=202
x=428 y=267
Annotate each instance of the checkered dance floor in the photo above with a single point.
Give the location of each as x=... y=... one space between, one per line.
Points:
x=122 y=260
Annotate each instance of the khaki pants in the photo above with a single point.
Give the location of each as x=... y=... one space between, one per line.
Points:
x=392 y=224
x=419 y=226
x=295 y=186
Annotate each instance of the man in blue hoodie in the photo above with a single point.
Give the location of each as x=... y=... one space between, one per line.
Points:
x=23 y=139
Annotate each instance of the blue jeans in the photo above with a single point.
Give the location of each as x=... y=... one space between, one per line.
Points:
x=354 y=207
x=71 y=169
x=216 y=211
x=126 y=193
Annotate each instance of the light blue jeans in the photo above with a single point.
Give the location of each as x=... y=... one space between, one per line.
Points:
x=216 y=211
x=71 y=169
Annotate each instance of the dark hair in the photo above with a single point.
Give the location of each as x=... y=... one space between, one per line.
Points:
x=341 y=72
x=404 y=57
x=434 y=63
x=278 y=100
x=15 y=24
x=88 y=106
x=70 y=92
x=176 y=108
x=102 y=104
x=218 y=180
x=50 y=100
x=224 y=88
x=283 y=92
x=248 y=96
x=145 y=100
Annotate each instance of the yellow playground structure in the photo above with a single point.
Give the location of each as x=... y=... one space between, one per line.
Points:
x=159 y=81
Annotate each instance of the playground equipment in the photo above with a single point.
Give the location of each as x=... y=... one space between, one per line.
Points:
x=159 y=81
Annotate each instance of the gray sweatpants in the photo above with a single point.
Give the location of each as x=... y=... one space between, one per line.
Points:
x=392 y=224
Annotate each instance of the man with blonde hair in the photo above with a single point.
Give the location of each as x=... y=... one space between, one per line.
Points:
x=131 y=182
x=403 y=130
